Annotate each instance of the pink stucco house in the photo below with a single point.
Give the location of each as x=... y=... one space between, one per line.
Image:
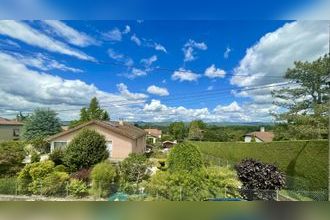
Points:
x=122 y=138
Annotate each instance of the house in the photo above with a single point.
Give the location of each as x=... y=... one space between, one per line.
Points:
x=121 y=138
x=259 y=136
x=153 y=134
x=10 y=129
x=169 y=144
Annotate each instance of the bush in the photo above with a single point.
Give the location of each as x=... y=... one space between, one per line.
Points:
x=85 y=150
x=8 y=186
x=41 y=178
x=11 y=157
x=102 y=175
x=41 y=145
x=35 y=157
x=260 y=181
x=60 y=168
x=185 y=157
x=78 y=188
x=134 y=168
x=194 y=186
x=83 y=175
x=57 y=156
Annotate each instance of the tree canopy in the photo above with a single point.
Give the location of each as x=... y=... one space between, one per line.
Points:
x=42 y=123
x=177 y=130
x=196 y=130
x=303 y=106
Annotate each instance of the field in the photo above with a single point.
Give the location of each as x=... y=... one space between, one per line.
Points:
x=304 y=162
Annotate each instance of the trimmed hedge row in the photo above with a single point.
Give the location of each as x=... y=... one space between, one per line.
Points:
x=305 y=161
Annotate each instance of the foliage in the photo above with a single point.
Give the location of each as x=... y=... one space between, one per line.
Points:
x=199 y=185
x=41 y=145
x=177 y=130
x=57 y=156
x=60 y=168
x=102 y=175
x=260 y=181
x=184 y=157
x=306 y=104
x=93 y=112
x=85 y=150
x=78 y=188
x=295 y=158
x=35 y=157
x=83 y=175
x=134 y=168
x=196 y=129
x=8 y=185
x=41 y=178
x=11 y=158
x=20 y=117
x=42 y=123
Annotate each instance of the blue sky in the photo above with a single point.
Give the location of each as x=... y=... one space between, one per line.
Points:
x=153 y=70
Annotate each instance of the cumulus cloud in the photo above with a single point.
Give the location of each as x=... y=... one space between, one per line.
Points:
x=155 y=90
x=185 y=75
x=69 y=34
x=213 y=72
x=189 y=49
x=122 y=88
x=23 y=32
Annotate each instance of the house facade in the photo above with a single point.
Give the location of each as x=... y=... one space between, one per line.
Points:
x=121 y=138
x=153 y=134
x=259 y=136
x=10 y=129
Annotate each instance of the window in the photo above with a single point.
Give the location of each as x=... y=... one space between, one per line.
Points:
x=16 y=132
x=60 y=144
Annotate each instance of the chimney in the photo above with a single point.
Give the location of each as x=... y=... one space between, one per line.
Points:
x=262 y=129
x=121 y=122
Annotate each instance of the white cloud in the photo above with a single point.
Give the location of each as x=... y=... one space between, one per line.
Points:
x=120 y=57
x=226 y=53
x=149 y=61
x=113 y=35
x=232 y=107
x=160 y=47
x=185 y=75
x=155 y=90
x=136 y=72
x=127 y=29
x=69 y=34
x=136 y=40
x=122 y=88
x=213 y=72
x=189 y=47
x=25 y=33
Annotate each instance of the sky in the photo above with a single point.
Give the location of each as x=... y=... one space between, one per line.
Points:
x=144 y=70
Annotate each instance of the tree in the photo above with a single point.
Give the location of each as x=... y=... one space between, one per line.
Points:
x=196 y=130
x=85 y=150
x=134 y=168
x=303 y=107
x=11 y=158
x=102 y=175
x=260 y=181
x=185 y=157
x=93 y=112
x=20 y=117
x=42 y=123
x=177 y=130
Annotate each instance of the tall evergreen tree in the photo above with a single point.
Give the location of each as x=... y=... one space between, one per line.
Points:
x=304 y=105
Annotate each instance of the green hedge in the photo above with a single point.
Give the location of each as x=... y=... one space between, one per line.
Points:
x=305 y=161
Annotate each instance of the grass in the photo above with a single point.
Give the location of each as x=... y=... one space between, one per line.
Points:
x=8 y=186
x=304 y=162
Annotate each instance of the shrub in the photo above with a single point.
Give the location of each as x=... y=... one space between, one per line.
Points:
x=185 y=157
x=134 y=168
x=55 y=184
x=194 y=186
x=78 y=188
x=11 y=158
x=60 y=168
x=260 y=181
x=85 y=150
x=83 y=175
x=41 y=145
x=35 y=157
x=8 y=186
x=102 y=175
x=57 y=156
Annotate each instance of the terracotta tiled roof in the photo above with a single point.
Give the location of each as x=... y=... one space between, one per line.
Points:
x=153 y=131
x=5 y=121
x=264 y=136
x=124 y=129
